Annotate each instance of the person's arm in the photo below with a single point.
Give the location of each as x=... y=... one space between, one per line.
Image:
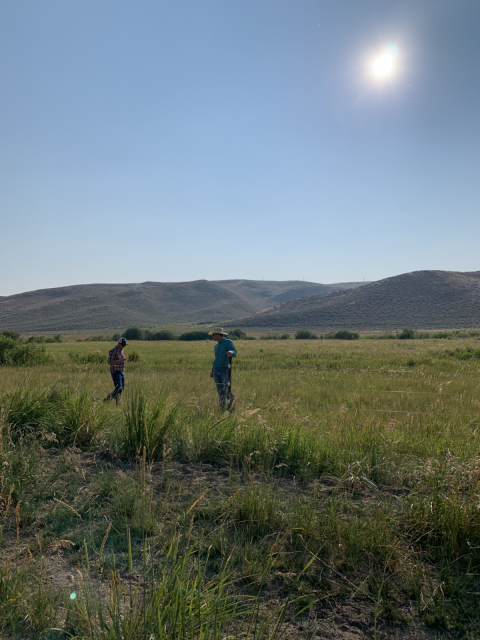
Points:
x=113 y=362
x=231 y=353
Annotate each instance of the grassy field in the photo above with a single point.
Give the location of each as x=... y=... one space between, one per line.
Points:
x=340 y=500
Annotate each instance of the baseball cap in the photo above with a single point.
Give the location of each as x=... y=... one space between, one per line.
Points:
x=122 y=341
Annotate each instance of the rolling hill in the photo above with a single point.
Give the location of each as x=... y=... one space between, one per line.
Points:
x=420 y=300
x=99 y=307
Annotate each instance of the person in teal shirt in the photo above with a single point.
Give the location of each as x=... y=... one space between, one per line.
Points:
x=224 y=349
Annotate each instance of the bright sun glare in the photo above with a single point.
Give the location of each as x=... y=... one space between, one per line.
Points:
x=383 y=65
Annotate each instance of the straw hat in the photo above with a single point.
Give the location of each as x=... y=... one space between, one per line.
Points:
x=217 y=330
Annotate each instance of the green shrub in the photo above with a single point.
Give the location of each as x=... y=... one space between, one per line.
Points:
x=275 y=336
x=238 y=334
x=163 y=335
x=37 y=339
x=194 y=335
x=345 y=335
x=465 y=354
x=10 y=334
x=133 y=356
x=407 y=334
x=305 y=334
x=134 y=333
x=13 y=352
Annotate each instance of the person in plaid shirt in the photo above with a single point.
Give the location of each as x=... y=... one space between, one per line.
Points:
x=116 y=360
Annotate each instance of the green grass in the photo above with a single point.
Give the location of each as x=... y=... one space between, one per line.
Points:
x=348 y=477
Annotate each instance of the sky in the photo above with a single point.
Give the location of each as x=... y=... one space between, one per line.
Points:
x=177 y=140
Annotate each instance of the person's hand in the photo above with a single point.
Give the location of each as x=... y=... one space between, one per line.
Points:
x=229 y=354
x=211 y=374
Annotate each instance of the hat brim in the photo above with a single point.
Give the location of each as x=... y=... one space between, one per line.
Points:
x=221 y=333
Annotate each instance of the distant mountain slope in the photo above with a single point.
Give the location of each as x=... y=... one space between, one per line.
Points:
x=421 y=300
x=97 y=307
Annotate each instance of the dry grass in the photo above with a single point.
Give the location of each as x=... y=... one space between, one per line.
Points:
x=342 y=494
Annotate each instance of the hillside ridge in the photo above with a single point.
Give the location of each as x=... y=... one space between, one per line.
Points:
x=100 y=306
x=428 y=299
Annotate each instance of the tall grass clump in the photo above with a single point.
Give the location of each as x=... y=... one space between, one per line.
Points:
x=178 y=599
x=28 y=603
x=88 y=358
x=62 y=416
x=146 y=426
x=27 y=413
x=79 y=420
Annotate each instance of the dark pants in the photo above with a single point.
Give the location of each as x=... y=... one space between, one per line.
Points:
x=220 y=375
x=118 y=378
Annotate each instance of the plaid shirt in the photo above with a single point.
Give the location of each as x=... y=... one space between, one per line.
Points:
x=116 y=354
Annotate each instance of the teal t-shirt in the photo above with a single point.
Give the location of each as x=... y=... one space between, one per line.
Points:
x=221 y=349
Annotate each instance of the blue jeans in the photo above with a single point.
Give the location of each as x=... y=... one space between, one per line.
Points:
x=220 y=375
x=118 y=378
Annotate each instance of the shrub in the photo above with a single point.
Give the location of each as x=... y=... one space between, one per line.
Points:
x=10 y=334
x=14 y=352
x=163 y=335
x=87 y=358
x=275 y=336
x=133 y=356
x=305 y=334
x=37 y=339
x=134 y=333
x=194 y=335
x=346 y=335
x=407 y=334
x=239 y=334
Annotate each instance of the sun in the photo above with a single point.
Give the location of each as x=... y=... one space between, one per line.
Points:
x=383 y=65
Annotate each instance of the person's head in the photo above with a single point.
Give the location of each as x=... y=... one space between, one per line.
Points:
x=122 y=343
x=217 y=334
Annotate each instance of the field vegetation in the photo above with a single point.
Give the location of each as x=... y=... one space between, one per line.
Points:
x=340 y=499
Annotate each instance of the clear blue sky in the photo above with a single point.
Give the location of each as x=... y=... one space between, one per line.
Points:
x=175 y=140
